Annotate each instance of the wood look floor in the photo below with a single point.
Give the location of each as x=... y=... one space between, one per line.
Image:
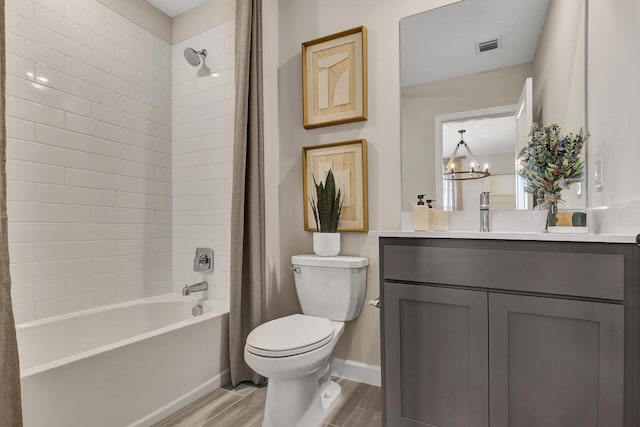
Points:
x=357 y=406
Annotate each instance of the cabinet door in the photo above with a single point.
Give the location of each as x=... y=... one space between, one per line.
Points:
x=435 y=356
x=555 y=362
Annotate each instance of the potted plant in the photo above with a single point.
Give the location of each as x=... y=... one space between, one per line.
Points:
x=549 y=163
x=326 y=211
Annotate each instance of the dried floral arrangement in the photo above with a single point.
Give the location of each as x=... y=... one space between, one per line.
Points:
x=550 y=162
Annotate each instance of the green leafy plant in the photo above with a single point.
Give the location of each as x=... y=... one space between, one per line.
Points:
x=327 y=205
x=550 y=162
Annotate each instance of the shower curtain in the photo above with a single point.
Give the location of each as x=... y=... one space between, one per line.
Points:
x=10 y=404
x=247 y=205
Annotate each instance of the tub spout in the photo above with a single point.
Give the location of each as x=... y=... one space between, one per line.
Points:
x=197 y=287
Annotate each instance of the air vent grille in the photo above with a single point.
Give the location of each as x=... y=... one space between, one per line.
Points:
x=488 y=45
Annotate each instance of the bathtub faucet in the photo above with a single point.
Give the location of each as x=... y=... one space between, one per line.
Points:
x=197 y=287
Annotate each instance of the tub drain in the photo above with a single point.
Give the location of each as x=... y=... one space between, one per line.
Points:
x=197 y=310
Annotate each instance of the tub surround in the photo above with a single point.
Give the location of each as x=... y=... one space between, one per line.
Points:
x=119 y=167
x=119 y=156
x=88 y=157
x=202 y=141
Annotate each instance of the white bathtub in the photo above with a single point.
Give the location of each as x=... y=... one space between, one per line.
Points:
x=126 y=364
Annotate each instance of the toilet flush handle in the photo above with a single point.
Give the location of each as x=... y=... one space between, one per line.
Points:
x=295 y=269
x=375 y=302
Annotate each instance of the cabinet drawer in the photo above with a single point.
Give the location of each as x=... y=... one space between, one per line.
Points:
x=525 y=266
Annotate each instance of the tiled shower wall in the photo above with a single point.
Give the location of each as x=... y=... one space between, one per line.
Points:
x=89 y=157
x=202 y=153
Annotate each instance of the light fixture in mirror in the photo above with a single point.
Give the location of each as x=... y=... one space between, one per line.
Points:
x=488 y=59
x=493 y=150
x=472 y=169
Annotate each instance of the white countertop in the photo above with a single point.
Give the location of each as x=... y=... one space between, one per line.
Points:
x=554 y=237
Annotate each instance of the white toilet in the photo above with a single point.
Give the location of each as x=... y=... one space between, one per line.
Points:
x=294 y=352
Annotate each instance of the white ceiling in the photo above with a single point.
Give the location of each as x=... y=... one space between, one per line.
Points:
x=175 y=7
x=483 y=136
x=440 y=44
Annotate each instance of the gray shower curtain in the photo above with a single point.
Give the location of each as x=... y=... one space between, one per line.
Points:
x=247 y=205
x=10 y=403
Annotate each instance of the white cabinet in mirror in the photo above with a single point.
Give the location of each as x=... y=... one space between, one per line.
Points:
x=492 y=68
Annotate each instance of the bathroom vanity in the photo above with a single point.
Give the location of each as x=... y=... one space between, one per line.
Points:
x=490 y=331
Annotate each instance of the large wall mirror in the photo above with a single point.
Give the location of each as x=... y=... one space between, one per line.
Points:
x=491 y=68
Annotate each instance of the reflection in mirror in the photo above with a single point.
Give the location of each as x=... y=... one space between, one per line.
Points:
x=491 y=139
x=490 y=67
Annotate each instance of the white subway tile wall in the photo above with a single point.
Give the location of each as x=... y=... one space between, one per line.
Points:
x=89 y=158
x=203 y=112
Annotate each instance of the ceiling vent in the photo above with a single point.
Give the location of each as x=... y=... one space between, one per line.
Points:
x=488 y=45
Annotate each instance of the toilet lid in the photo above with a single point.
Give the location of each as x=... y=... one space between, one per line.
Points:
x=291 y=335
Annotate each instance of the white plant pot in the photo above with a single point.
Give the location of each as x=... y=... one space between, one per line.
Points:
x=326 y=244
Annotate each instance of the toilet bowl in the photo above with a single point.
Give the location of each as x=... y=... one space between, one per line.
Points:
x=295 y=352
x=300 y=389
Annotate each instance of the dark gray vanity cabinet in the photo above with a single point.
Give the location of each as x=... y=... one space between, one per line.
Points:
x=509 y=333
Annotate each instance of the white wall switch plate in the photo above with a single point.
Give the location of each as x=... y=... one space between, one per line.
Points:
x=597 y=174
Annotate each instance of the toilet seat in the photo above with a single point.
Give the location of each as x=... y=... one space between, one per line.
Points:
x=290 y=336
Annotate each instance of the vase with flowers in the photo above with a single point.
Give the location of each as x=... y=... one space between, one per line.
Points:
x=326 y=208
x=549 y=163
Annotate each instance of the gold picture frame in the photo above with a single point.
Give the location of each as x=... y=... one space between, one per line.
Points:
x=334 y=78
x=348 y=161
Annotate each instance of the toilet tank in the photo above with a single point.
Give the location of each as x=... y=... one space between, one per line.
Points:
x=330 y=287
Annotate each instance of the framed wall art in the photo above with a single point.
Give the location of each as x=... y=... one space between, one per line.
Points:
x=334 y=78
x=348 y=161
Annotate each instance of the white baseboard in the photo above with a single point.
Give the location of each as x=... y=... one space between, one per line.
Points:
x=182 y=401
x=357 y=371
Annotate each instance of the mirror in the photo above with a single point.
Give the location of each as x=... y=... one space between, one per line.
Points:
x=491 y=68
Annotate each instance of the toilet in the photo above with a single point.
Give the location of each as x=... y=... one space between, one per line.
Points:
x=294 y=352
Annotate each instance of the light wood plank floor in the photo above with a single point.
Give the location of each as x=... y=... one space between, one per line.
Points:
x=357 y=406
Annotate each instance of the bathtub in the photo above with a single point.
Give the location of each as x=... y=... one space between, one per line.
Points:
x=128 y=364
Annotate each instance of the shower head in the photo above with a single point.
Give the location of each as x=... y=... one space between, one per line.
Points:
x=193 y=57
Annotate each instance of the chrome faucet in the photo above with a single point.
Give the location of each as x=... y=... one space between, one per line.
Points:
x=484 y=212
x=197 y=287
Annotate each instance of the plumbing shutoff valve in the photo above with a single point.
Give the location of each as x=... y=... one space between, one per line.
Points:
x=203 y=262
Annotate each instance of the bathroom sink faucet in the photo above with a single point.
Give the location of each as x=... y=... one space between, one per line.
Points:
x=484 y=212
x=197 y=287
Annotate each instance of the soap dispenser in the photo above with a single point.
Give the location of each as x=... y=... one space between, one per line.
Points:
x=421 y=215
x=438 y=219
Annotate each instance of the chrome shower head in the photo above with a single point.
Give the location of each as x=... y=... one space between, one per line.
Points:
x=193 y=56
